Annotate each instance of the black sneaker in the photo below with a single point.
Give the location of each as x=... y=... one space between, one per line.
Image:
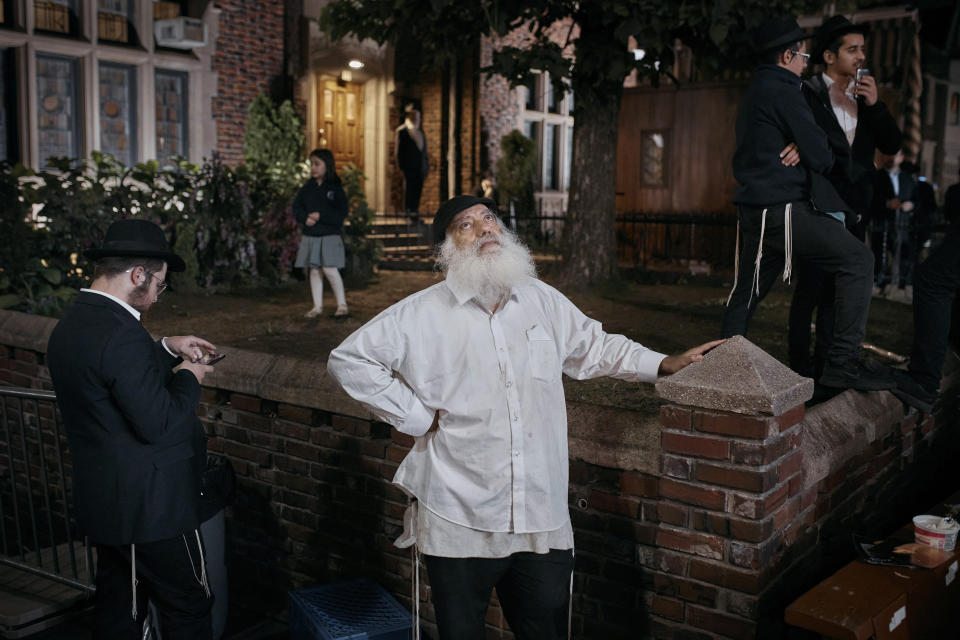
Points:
x=912 y=392
x=853 y=374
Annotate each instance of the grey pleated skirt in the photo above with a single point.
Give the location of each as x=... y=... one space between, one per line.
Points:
x=321 y=251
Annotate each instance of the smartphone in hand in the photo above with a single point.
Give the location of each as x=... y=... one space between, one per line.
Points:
x=213 y=359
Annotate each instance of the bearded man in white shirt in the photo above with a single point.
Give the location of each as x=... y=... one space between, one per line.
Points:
x=472 y=368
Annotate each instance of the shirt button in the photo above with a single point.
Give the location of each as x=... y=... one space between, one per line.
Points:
x=509 y=383
x=516 y=453
x=515 y=418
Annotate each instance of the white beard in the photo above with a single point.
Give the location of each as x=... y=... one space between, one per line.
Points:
x=487 y=276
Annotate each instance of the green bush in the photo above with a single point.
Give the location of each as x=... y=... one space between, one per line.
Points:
x=232 y=227
x=515 y=173
x=363 y=252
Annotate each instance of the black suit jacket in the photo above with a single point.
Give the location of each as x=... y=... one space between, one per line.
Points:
x=876 y=129
x=136 y=446
x=883 y=191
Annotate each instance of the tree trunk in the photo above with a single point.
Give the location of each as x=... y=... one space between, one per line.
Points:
x=590 y=248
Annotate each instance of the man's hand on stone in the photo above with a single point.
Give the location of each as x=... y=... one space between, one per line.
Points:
x=790 y=156
x=190 y=348
x=672 y=364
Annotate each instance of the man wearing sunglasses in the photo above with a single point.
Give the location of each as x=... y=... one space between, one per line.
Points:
x=128 y=405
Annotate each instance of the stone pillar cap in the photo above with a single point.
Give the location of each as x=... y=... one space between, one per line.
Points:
x=737 y=376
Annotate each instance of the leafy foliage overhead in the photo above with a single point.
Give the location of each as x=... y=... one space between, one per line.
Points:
x=718 y=31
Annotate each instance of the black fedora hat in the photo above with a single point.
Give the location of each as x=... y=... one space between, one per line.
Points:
x=136 y=238
x=829 y=31
x=449 y=210
x=777 y=32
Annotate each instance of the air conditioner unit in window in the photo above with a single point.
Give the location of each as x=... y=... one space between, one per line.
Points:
x=180 y=33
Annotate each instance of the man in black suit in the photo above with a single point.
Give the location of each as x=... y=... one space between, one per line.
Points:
x=891 y=222
x=857 y=123
x=784 y=207
x=137 y=448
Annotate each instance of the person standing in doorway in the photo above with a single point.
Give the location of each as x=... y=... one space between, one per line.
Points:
x=320 y=208
x=410 y=154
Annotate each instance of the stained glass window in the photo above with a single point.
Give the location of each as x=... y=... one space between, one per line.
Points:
x=118 y=111
x=58 y=107
x=171 y=103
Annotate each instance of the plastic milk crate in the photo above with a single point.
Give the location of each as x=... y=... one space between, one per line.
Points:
x=356 y=610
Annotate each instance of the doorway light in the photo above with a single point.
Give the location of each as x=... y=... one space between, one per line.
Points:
x=355 y=64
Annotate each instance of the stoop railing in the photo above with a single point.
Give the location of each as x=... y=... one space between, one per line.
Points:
x=38 y=540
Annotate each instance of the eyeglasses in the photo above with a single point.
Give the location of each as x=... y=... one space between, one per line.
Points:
x=805 y=56
x=160 y=287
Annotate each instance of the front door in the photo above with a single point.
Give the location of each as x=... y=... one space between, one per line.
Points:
x=341 y=119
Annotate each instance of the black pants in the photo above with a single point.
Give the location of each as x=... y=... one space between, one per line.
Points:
x=881 y=242
x=533 y=589
x=814 y=290
x=168 y=573
x=414 y=187
x=823 y=242
x=935 y=284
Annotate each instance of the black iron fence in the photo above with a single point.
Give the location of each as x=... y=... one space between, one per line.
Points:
x=37 y=530
x=698 y=242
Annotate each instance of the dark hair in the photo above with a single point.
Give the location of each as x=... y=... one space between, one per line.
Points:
x=837 y=42
x=330 y=175
x=111 y=266
x=773 y=56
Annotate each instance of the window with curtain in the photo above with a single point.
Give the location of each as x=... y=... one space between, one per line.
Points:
x=654 y=150
x=57 y=16
x=115 y=21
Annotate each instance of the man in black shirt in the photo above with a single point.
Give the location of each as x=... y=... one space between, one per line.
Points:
x=782 y=208
x=857 y=123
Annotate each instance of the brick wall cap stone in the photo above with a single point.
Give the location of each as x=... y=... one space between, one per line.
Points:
x=737 y=376
x=26 y=330
x=844 y=427
x=614 y=437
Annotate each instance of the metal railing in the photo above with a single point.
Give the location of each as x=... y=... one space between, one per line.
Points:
x=695 y=241
x=651 y=240
x=37 y=531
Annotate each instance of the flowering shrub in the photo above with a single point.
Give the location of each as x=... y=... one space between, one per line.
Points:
x=233 y=227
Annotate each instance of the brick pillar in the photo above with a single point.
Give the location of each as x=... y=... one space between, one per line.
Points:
x=731 y=502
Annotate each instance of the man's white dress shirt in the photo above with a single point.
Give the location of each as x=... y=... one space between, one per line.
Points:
x=845 y=111
x=498 y=462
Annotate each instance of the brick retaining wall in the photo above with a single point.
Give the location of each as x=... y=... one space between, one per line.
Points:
x=696 y=523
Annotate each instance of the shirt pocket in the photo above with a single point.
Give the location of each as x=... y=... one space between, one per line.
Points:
x=543 y=354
